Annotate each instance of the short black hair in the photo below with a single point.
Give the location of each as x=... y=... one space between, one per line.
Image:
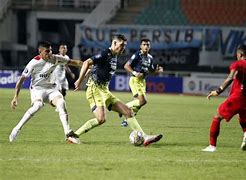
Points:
x=44 y=44
x=242 y=49
x=144 y=40
x=119 y=37
x=62 y=44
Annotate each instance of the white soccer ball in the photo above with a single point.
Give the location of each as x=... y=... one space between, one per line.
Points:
x=136 y=138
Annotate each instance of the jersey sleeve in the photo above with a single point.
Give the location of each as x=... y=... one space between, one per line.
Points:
x=98 y=58
x=234 y=66
x=29 y=68
x=133 y=60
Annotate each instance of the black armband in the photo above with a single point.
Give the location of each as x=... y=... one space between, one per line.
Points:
x=219 y=90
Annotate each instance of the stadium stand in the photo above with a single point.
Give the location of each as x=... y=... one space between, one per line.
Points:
x=163 y=12
x=219 y=12
x=184 y=12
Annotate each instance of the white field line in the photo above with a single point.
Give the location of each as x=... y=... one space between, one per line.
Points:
x=129 y=160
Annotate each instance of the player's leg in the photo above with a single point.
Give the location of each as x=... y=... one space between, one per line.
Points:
x=226 y=111
x=214 y=133
x=133 y=123
x=97 y=105
x=138 y=88
x=135 y=105
x=56 y=99
x=127 y=112
x=242 y=121
x=37 y=104
x=100 y=118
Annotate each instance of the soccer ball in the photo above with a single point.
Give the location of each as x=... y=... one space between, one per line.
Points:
x=136 y=138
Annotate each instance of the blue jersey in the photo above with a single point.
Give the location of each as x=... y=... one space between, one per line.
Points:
x=105 y=64
x=142 y=63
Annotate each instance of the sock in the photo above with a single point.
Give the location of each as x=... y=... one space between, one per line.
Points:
x=134 y=125
x=134 y=105
x=214 y=131
x=61 y=108
x=29 y=113
x=243 y=125
x=87 y=126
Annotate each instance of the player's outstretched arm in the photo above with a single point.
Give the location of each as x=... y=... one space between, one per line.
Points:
x=18 y=85
x=69 y=71
x=83 y=72
x=76 y=63
x=223 y=86
x=212 y=93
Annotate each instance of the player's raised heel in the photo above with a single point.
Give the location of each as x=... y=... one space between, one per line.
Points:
x=151 y=139
x=209 y=148
x=243 y=145
x=14 y=134
x=72 y=138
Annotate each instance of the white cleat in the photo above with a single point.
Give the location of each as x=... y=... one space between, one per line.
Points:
x=243 y=145
x=73 y=140
x=210 y=148
x=14 y=134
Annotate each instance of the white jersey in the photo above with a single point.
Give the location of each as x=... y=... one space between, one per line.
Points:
x=59 y=75
x=41 y=70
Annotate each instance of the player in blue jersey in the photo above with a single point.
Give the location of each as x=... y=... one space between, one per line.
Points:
x=139 y=66
x=100 y=98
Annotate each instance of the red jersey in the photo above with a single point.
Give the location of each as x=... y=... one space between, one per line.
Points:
x=238 y=87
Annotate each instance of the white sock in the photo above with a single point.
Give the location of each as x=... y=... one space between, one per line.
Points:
x=61 y=107
x=37 y=105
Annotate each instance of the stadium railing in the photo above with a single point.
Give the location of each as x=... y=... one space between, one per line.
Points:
x=86 y=5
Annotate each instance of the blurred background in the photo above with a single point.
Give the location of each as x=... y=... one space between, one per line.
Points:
x=194 y=40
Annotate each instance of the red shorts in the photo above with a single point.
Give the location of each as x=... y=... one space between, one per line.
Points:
x=231 y=106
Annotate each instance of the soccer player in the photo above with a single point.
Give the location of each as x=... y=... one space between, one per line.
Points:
x=236 y=101
x=59 y=73
x=98 y=94
x=43 y=90
x=139 y=66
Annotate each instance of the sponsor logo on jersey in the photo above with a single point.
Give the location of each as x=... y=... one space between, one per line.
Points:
x=44 y=75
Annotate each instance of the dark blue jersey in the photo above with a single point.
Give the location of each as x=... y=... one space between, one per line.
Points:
x=104 y=67
x=142 y=63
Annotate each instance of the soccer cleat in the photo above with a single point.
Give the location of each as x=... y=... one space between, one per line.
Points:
x=72 y=138
x=151 y=139
x=243 y=145
x=124 y=123
x=14 y=134
x=210 y=148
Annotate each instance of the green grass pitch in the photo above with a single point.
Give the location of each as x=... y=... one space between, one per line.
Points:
x=40 y=151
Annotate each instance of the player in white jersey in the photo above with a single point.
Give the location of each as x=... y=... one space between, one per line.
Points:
x=42 y=89
x=59 y=73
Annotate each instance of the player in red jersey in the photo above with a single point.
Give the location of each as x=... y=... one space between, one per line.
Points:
x=236 y=101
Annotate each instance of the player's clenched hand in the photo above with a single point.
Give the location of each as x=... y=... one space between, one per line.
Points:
x=159 y=69
x=212 y=93
x=77 y=85
x=14 y=103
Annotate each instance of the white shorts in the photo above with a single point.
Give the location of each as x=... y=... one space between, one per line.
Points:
x=45 y=95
